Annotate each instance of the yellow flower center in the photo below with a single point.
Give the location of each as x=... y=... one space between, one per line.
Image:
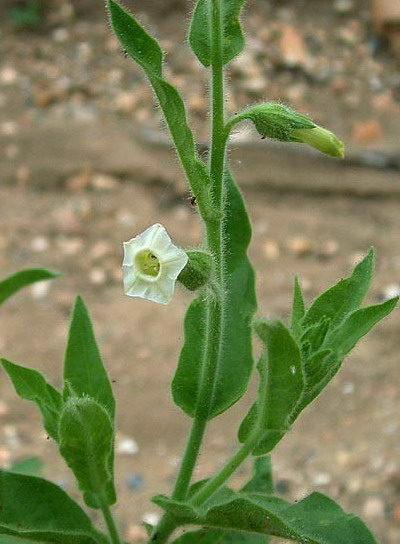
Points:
x=147 y=263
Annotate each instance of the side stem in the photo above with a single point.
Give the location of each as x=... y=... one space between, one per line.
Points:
x=110 y=522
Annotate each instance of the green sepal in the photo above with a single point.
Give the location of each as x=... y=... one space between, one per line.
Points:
x=279 y=122
x=317 y=519
x=197 y=271
x=86 y=443
x=21 y=279
x=200 y=30
x=38 y=510
x=31 y=385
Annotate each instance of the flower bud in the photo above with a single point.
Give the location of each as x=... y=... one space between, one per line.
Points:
x=276 y=121
x=197 y=270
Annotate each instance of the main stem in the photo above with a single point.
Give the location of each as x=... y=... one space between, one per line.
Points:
x=214 y=242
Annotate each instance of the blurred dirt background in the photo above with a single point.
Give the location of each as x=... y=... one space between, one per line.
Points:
x=84 y=165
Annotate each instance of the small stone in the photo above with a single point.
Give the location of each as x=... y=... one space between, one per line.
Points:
x=11 y=151
x=339 y=84
x=367 y=131
x=103 y=182
x=80 y=181
x=125 y=101
x=197 y=103
x=328 y=249
x=3 y=406
x=9 y=128
x=343 y=6
x=396 y=513
x=300 y=246
x=137 y=533
x=60 y=35
x=5 y=456
x=152 y=518
x=40 y=244
x=127 y=446
x=390 y=291
x=271 y=250
x=70 y=246
x=40 y=289
x=97 y=276
x=11 y=436
x=293 y=48
x=22 y=175
x=322 y=478
x=134 y=481
x=68 y=221
x=374 y=507
x=126 y=218
x=348 y=388
x=8 y=75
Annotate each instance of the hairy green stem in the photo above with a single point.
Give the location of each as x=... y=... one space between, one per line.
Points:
x=214 y=242
x=110 y=522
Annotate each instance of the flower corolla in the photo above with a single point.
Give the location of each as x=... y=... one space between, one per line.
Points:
x=152 y=264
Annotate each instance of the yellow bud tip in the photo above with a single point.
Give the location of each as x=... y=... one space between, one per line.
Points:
x=321 y=139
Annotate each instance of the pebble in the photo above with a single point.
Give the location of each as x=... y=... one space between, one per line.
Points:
x=40 y=289
x=367 y=131
x=390 y=291
x=103 y=182
x=39 y=244
x=271 y=250
x=97 y=276
x=343 y=7
x=101 y=249
x=152 y=518
x=127 y=446
x=8 y=75
x=136 y=533
x=300 y=246
x=134 y=481
x=328 y=249
x=60 y=35
x=374 y=507
x=293 y=49
x=321 y=479
x=3 y=405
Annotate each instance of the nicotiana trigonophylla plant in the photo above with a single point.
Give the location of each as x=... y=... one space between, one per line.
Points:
x=298 y=359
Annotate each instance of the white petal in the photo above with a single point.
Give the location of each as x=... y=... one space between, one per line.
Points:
x=171 y=258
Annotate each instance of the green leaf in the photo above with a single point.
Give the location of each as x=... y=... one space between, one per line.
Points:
x=86 y=443
x=281 y=386
x=358 y=324
x=262 y=479
x=31 y=466
x=216 y=536
x=84 y=372
x=298 y=309
x=316 y=519
x=238 y=304
x=344 y=297
x=35 y=509
x=21 y=279
x=200 y=30
x=16 y=540
x=147 y=53
x=31 y=385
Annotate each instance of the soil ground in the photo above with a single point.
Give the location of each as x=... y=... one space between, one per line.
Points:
x=73 y=220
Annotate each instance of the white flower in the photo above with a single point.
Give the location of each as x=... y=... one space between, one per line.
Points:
x=152 y=264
